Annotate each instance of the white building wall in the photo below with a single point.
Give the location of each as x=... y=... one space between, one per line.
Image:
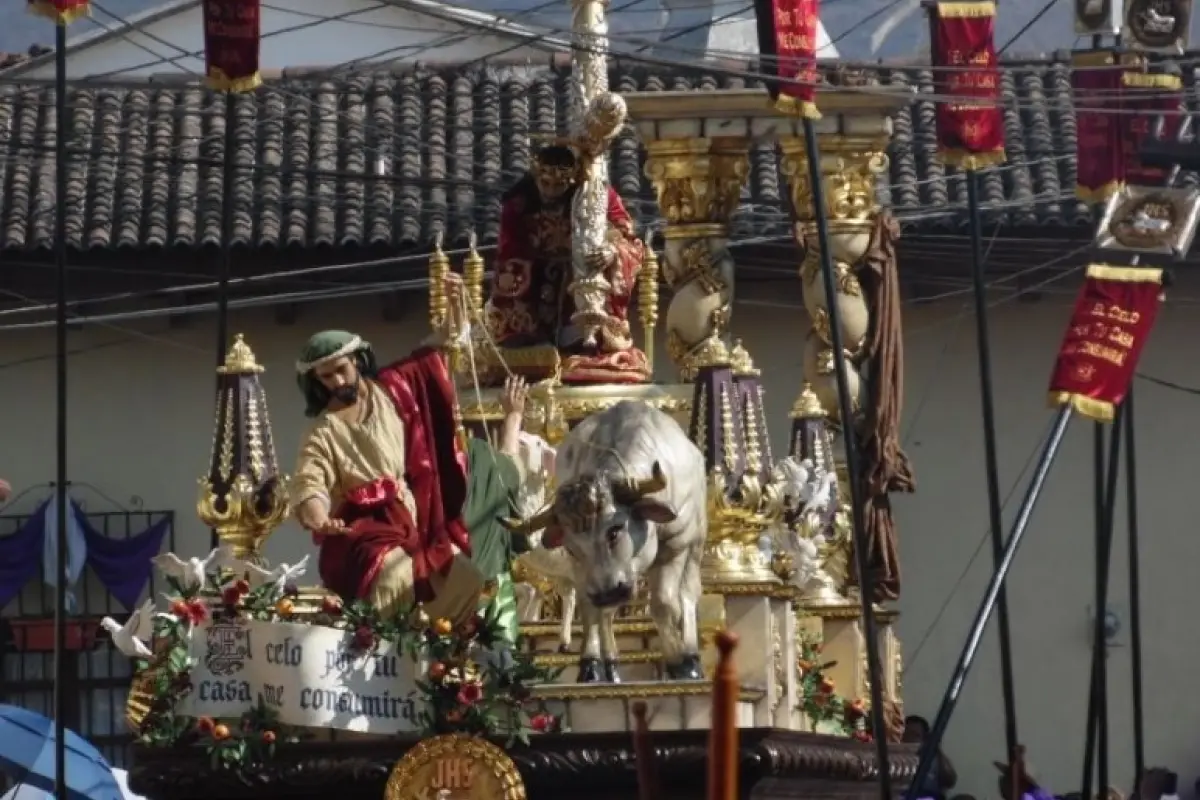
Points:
x=141 y=424
x=356 y=30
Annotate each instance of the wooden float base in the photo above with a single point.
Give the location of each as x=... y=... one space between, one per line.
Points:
x=580 y=766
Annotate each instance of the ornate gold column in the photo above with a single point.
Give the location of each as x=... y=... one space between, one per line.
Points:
x=699 y=183
x=850 y=167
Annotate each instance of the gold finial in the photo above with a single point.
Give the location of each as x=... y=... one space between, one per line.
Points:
x=473 y=277
x=439 y=267
x=239 y=360
x=741 y=362
x=808 y=405
x=712 y=352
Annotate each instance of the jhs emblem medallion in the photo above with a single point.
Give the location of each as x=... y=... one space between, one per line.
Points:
x=455 y=767
x=227 y=648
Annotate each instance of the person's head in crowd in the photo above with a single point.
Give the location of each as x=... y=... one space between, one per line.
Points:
x=915 y=729
x=1158 y=783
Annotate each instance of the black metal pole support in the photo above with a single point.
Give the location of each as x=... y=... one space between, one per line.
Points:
x=846 y=413
x=1096 y=743
x=225 y=258
x=995 y=514
x=1135 y=592
x=60 y=474
x=971 y=647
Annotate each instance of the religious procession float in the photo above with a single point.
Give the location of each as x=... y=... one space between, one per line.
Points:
x=524 y=537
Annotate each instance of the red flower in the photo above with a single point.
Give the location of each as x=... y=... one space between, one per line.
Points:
x=863 y=736
x=268 y=737
x=243 y=586
x=454 y=716
x=197 y=612
x=468 y=628
x=231 y=596
x=205 y=725
x=470 y=694
x=331 y=606
x=437 y=671
x=180 y=609
x=364 y=637
x=542 y=723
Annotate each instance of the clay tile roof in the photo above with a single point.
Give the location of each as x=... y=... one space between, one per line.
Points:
x=145 y=166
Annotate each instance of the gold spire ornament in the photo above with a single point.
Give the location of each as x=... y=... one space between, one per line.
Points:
x=473 y=279
x=244 y=496
x=648 y=300
x=439 y=268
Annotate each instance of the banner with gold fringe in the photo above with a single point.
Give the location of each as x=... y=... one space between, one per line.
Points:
x=1146 y=98
x=62 y=12
x=970 y=120
x=1113 y=315
x=787 y=44
x=1096 y=80
x=231 y=44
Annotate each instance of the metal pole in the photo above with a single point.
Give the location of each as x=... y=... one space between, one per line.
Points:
x=995 y=514
x=1135 y=590
x=1104 y=535
x=225 y=262
x=971 y=647
x=60 y=475
x=846 y=414
x=1093 y=715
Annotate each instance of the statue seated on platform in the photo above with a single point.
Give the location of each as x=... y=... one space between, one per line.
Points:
x=531 y=314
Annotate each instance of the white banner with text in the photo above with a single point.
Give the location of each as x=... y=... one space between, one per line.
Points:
x=310 y=675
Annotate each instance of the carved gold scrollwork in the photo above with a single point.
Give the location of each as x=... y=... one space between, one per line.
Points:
x=698 y=183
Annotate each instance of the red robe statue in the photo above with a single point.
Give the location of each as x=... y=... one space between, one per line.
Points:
x=531 y=302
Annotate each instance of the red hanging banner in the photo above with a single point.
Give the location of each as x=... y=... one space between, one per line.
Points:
x=1145 y=98
x=787 y=43
x=970 y=120
x=1113 y=316
x=231 y=44
x=63 y=12
x=1096 y=80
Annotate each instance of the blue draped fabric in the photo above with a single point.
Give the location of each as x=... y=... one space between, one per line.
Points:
x=123 y=565
x=21 y=555
x=77 y=554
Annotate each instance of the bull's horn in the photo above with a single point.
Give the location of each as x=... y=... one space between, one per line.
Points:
x=640 y=487
x=531 y=525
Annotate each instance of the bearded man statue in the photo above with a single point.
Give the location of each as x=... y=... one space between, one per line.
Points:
x=531 y=303
x=402 y=506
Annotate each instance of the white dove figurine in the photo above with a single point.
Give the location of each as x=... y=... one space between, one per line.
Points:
x=793 y=476
x=818 y=493
x=259 y=576
x=193 y=573
x=131 y=637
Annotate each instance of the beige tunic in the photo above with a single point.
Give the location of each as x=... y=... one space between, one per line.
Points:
x=338 y=456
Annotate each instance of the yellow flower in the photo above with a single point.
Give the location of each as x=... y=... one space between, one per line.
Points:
x=443 y=627
x=285 y=607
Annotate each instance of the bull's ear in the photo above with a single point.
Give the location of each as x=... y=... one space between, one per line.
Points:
x=553 y=536
x=653 y=510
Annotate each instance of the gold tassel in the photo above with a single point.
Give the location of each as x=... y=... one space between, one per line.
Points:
x=473 y=279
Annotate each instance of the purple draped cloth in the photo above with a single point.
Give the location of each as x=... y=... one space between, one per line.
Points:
x=123 y=565
x=21 y=555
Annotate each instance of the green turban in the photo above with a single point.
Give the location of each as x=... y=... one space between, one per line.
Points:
x=323 y=348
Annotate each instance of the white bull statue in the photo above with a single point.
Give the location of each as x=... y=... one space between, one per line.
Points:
x=630 y=501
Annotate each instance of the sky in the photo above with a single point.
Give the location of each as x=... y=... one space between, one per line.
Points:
x=850 y=23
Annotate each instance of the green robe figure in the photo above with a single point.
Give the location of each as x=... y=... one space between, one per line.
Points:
x=493 y=480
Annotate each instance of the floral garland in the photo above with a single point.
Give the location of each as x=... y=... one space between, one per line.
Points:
x=471 y=686
x=827 y=711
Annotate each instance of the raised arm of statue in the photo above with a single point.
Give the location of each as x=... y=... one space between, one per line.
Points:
x=314 y=481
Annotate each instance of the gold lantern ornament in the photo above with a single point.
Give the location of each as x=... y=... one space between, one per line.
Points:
x=244 y=496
